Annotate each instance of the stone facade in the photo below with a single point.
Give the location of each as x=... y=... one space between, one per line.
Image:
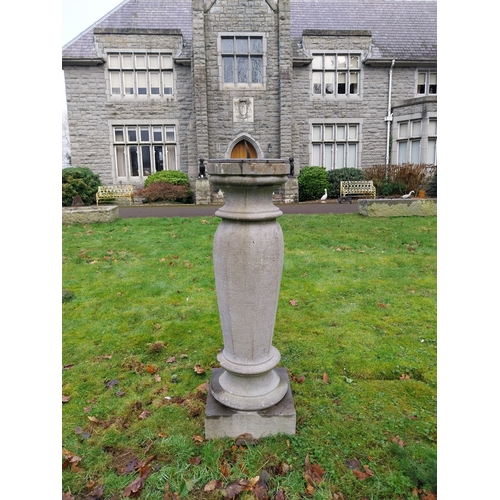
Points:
x=284 y=107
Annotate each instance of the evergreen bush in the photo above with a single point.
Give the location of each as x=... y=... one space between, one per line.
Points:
x=312 y=183
x=164 y=191
x=432 y=189
x=174 y=177
x=79 y=180
x=342 y=174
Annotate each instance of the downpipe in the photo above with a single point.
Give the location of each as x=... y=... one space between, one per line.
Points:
x=388 y=118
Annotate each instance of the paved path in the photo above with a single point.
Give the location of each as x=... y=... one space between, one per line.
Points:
x=330 y=207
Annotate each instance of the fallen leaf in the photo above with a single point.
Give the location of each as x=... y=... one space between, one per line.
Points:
x=151 y=368
x=198 y=369
x=293 y=302
x=171 y=360
x=183 y=356
x=65 y=399
x=353 y=464
x=404 y=376
x=260 y=490
x=67 y=367
x=368 y=470
x=111 y=383
x=360 y=475
x=95 y=420
x=197 y=439
x=398 y=440
x=70 y=459
x=338 y=496
x=214 y=484
x=428 y=496
x=279 y=495
x=68 y=496
x=144 y=414
x=157 y=378
x=325 y=378
x=383 y=306
x=195 y=460
x=245 y=440
x=120 y=394
x=313 y=475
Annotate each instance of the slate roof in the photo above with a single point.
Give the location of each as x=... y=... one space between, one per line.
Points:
x=401 y=29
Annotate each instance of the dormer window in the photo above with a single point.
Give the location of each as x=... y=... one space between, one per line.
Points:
x=426 y=83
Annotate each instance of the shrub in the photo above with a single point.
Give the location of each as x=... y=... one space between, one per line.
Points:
x=175 y=177
x=432 y=189
x=312 y=183
x=342 y=174
x=399 y=179
x=163 y=191
x=79 y=180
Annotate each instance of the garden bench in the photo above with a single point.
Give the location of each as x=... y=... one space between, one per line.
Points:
x=356 y=188
x=112 y=192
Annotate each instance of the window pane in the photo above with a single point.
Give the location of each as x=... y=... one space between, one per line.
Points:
x=415 y=151
x=431 y=152
x=242 y=45
x=317 y=62
x=171 y=162
x=341 y=133
x=329 y=62
x=433 y=83
x=144 y=134
x=119 y=137
x=342 y=62
x=255 y=45
x=402 y=152
x=354 y=62
x=166 y=61
x=242 y=67
x=329 y=81
x=256 y=69
x=167 y=82
x=140 y=61
x=421 y=83
x=114 y=61
x=134 y=163
x=328 y=132
x=158 y=158
x=128 y=83
x=316 y=156
x=157 y=134
x=120 y=161
x=317 y=132
x=352 y=155
x=353 y=132
x=340 y=163
x=115 y=81
x=153 y=62
x=317 y=76
x=328 y=156
x=146 y=160
x=353 y=83
x=227 y=45
x=141 y=83
x=154 y=81
x=403 y=130
x=432 y=127
x=127 y=62
x=416 y=128
x=170 y=133
x=228 y=68
x=132 y=134
x=341 y=88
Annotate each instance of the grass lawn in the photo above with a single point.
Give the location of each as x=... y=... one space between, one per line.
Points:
x=356 y=329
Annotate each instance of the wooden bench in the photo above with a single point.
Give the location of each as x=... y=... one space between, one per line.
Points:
x=110 y=193
x=348 y=189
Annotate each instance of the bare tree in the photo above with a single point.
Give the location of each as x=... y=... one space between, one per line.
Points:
x=66 y=145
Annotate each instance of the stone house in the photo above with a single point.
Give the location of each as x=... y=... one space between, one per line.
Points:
x=159 y=84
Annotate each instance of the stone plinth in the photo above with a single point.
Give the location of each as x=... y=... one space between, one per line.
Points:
x=87 y=215
x=395 y=207
x=248 y=262
x=222 y=421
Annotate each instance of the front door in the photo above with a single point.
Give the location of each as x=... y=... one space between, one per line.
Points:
x=243 y=149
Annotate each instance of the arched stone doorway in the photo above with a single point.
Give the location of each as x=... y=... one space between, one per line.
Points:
x=244 y=149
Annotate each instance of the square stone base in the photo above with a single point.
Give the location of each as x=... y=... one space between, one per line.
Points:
x=221 y=421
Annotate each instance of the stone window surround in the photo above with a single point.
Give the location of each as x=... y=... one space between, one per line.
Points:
x=242 y=86
x=142 y=97
x=334 y=95
x=423 y=137
x=337 y=121
x=138 y=180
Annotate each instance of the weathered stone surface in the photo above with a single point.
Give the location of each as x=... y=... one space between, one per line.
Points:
x=398 y=207
x=221 y=421
x=87 y=215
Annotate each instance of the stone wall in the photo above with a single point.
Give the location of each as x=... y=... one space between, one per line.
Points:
x=88 y=215
x=398 y=208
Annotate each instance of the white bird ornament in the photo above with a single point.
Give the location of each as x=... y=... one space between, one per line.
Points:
x=324 y=197
x=407 y=195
